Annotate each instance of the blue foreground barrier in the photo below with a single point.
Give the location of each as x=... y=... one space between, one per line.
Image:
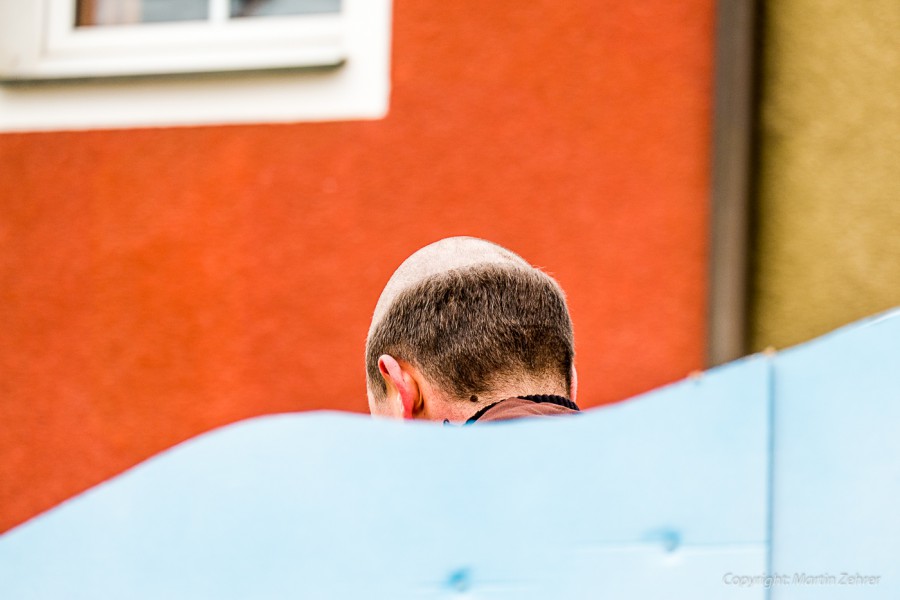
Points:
x=759 y=479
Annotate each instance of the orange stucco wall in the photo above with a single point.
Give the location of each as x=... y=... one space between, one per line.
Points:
x=158 y=283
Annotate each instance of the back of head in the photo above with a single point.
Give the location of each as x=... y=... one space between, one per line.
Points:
x=474 y=318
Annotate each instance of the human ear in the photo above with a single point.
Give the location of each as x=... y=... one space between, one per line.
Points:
x=403 y=390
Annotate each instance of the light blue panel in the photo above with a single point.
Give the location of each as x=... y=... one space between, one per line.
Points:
x=837 y=462
x=696 y=573
x=661 y=495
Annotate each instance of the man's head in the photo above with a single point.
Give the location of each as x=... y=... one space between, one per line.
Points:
x=464 y=322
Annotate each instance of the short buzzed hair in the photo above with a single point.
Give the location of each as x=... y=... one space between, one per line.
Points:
x=473 y=328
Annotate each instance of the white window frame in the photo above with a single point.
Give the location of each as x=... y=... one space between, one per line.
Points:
x=54 y=75
x=60 y=50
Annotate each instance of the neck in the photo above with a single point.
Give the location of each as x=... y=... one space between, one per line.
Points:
x=460 y=409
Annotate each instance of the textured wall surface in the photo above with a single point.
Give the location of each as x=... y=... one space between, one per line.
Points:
x=828 y=245
x=158 y=283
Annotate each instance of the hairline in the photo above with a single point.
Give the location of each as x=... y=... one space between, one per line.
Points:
x=430 y=261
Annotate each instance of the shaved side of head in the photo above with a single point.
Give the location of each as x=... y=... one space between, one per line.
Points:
x=472 y=316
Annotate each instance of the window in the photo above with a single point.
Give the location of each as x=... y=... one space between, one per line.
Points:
x=121 y=12
x=110 y=63
x=101 y=38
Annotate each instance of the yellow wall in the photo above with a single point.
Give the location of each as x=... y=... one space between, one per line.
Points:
x=828 y=241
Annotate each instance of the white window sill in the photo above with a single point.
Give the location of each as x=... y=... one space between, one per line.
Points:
x=75 y=87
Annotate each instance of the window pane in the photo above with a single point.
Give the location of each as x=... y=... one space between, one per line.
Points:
x=262 y=8
x=124 y=12
x=154 y=11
